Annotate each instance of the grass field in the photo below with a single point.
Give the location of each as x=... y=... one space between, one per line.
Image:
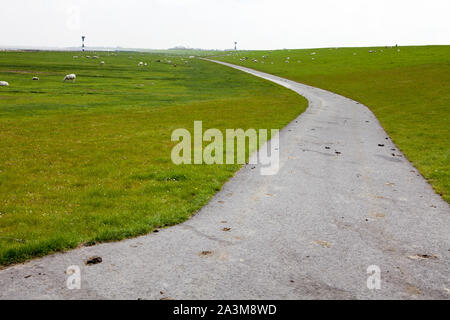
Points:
x=86 y=162
x=408 y=89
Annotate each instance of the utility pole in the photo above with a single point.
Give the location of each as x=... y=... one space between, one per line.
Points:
x=82 y=42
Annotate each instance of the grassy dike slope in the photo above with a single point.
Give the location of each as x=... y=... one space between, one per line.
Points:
x=90 y=161
x=408 y=89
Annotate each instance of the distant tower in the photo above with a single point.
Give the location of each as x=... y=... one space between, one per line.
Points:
x=235 y=45
x=82 y=42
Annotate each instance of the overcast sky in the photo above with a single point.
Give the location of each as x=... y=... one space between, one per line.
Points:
x=254 y=24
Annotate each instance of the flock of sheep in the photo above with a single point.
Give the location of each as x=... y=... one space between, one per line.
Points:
x=69 y=77
x=72 y=77
x=288 y=59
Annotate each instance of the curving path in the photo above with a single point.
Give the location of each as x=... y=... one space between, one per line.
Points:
x=311 y=231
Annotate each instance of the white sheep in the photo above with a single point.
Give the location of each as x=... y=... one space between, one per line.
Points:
x=35 y=78
x=4 y=84
x=191 y=57
x=75 y=57
x=140 y=64
x=70 y=77
x=102 y=63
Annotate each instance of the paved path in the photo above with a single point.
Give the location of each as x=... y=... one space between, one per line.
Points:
x=311 y=231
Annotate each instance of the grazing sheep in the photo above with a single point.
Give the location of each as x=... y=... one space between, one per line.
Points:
x=75 y=57
x=145 y=64
x=88 y=57
x=4 y=84
x=70 y=77
x=313 y=53
x=95 y=57
x=140 y=64
x=35 y=78
x=191 y=57
x=102 y=63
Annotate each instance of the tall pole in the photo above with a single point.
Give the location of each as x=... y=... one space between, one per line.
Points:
x=82 y=40
x=235 y=46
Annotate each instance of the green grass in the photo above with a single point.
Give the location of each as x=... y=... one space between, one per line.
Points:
x=408 y=90
x=89 y=162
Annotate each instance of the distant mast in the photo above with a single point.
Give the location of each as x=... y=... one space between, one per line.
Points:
x=82 y=42
x=235 y=46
